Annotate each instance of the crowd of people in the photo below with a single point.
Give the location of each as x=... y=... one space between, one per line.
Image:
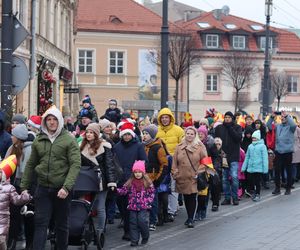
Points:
x=146 y=168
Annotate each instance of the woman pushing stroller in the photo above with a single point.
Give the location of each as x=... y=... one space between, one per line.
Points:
x=96 y=152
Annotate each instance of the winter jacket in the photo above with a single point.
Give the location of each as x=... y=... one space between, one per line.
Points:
x=231 y=135
x=54 y=158
x=9 y=195
x=284 y=136
x=256 y=160
x=182 y=170
x=171 y=134
x=296 y=154
x=157 y=166
x=103 y=160
x=138 y=200
x=128 y=153
x=5 y=137
x=113 y=115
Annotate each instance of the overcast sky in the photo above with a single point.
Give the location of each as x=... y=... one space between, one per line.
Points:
x=286 y=13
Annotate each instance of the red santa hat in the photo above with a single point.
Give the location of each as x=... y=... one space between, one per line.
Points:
x=126 y=128
x=35 y=121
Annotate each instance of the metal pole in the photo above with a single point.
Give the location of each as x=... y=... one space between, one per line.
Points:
x=6 y=55
x=164 y=56
x=33 y=57
x=266 y=83
x=188 y=83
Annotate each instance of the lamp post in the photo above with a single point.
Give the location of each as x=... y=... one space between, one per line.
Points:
x=266 y=87
x=164 y=56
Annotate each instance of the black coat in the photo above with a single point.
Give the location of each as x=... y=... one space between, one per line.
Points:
x=106 y=166
x=231 y=135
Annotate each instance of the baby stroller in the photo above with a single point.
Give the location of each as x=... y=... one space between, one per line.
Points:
x=81 y=226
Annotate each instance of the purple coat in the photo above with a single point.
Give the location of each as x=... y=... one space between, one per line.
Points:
x=9 y=195
x=138 y=200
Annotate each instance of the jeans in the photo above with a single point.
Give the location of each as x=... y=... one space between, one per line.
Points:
x=139 y=224
x=101 y=212
x=46 y=204
x=283 y=161
x=173 y=199
x=230 y=188
x=154 y=209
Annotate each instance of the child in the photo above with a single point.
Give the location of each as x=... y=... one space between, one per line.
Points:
x=113 y=113
x=157 y=168
x=88 y=107
x=256 y=162
x=8 y=195
x=140 y=192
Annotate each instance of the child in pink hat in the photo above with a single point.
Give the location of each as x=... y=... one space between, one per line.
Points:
x=140 y=192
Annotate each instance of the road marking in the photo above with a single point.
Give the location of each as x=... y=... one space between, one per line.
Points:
x=180 y=230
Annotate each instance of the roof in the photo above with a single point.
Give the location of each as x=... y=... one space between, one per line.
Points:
x=176 y=11
x=287 y=41
x=117 y=16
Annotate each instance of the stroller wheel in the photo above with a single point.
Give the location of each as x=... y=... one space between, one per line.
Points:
x=84 y=246
x=100 y=241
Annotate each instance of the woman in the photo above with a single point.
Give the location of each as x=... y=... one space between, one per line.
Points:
x=22 y=149
x=186 y=158
x=96 y=152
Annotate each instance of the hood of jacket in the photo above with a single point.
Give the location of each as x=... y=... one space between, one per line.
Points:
x=165 y=111
x=55 y=112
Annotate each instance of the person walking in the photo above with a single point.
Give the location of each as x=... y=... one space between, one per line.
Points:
x=256 y=163
x=55 y=159
x=186 y=158
x=22 y=149
x=128 y=150
x=140 y=192
x=96 y=153
x=284 y=147
x=171 y=134
x=231 y=135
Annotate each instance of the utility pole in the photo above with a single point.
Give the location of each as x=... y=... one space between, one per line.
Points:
x=266 y=87
x=6 y=55
x=164 y=56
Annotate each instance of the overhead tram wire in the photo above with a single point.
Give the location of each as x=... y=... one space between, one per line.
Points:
x=293 y=6
x=286 y=25
x=276 y=7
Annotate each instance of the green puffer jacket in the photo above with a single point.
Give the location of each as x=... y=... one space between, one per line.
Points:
x=56 y=164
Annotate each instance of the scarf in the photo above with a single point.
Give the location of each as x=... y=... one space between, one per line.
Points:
x=138 y=184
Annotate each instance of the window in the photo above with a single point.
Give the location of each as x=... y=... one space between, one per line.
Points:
x=203 y=25
x=292 y=84
x=230 y=26
x=116 y=62
x=85 y=61
x=212 y=41
x=212 y=83
x=238 y=42
x=263 y=42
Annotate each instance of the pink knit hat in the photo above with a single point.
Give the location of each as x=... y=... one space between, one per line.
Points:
x=203 y=130
x=139 y=166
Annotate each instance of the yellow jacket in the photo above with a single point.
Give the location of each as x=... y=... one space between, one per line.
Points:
x=171 y=134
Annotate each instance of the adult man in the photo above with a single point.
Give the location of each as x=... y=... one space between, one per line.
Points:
x=284 y=147
x=55 y=159
x=128 y=150
x=171 y=135
x=5 y=138
x=231 y=135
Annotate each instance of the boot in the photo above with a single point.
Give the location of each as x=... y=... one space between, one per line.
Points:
x=12 y=245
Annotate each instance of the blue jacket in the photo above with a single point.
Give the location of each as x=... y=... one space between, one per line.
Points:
x=5 y=137
x=256 y=160
x=284 y=135
x=128 y=153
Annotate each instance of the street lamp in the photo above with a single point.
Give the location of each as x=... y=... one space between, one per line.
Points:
x=164 y=56
x=266 y=83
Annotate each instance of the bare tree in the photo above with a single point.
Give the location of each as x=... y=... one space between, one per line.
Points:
x=181 y=57
x=242 y=101
x=279 y=86
x=238 y=68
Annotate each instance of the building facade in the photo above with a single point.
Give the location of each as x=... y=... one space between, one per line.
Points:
x=53 y=29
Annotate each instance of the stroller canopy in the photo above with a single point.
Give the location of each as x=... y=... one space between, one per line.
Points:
x=87 y=180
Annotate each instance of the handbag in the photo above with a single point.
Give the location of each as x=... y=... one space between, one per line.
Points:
x=202 y=180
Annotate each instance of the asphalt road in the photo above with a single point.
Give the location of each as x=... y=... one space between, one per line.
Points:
x=273 y=223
